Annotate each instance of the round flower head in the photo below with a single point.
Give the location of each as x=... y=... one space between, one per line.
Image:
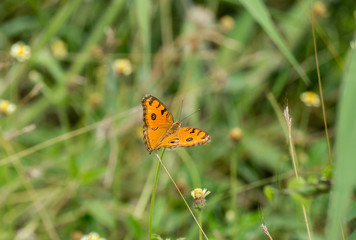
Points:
x=7 y=107
x=92 y=236
x=59 y=49
x=122 y=66
x=199 y=197
x=227 y=23
x=235 y=134
x=20 y=51
x=310 y=99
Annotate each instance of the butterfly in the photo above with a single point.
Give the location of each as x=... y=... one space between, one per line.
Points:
x=159 y=129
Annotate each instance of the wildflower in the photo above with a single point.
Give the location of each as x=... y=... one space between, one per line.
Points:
x=227 y=23
x=92 y=236
x=20 y=51
x=320 y=9
x=7 y=107
x=199 y=197
x=59 y=49
x=201 y=17
x=122 y=66
x=235 y=134
x=310 y=99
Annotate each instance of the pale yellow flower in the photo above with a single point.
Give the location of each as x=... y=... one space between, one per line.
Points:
x=20 y=51
x=59 y=49
x=92 y=236
x=199 y=195
x=235 y=134
x=227 y=23
x=7 y=107
x=310 y=99
x=122 y=67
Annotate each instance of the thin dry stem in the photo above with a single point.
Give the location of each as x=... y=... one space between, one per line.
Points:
x=289 y=124
x=180 y=193
x=265 y=230
x=319 y=82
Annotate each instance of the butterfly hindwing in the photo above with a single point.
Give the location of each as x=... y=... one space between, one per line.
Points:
x=157 y=121
x=190 y=136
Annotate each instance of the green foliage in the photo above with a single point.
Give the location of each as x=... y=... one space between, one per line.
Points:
x=72 y=158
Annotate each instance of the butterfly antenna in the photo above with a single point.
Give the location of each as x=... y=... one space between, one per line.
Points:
x=190 y=115
x=181 y=108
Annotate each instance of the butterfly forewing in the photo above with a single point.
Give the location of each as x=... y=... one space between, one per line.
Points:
x=157 y=120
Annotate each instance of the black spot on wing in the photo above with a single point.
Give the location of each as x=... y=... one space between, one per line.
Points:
x=189 y=139
x=175 y=140
x=163 y=111
x=193 y=130
x=153 y=116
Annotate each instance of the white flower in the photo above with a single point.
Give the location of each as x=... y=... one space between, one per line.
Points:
x=198 y=193
x=7 y=107
x=92 y=236
x=20 y=51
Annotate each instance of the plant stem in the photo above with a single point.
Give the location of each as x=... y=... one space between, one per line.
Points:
x=200 y=232
x=153 y=196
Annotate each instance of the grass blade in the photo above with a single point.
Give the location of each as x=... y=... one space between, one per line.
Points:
x=344 y=173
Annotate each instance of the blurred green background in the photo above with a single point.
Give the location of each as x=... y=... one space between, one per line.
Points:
x=72 y=158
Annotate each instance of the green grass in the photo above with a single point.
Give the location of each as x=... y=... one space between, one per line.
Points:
x=84 y=167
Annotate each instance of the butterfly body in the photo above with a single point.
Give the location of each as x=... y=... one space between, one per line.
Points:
x=159 y=129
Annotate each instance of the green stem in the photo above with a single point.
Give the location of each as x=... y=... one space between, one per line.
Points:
x=153 y=196
x=200 y=232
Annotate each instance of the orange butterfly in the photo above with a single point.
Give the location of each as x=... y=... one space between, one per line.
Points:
x=159 y=129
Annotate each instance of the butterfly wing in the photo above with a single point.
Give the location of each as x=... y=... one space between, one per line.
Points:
x=157 y=121
x=190 y=136
x=185 y=137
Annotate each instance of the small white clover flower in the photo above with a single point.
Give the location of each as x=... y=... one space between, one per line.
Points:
x=20 y=51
